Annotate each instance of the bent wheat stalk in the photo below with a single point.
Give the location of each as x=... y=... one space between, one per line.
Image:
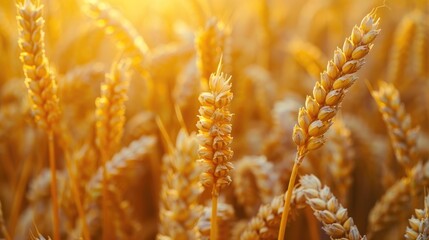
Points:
x=214 y=136
x=42 y=88
x=316 y=117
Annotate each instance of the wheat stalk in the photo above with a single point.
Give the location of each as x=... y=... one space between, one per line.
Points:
x=110 y=119
x=224 y=220
x=419 y=224
x=397 y=199
x=214 y=136
x=255 y=176
x=402 y=135
x=180 y=210
x=40 y=83
x=316 y=117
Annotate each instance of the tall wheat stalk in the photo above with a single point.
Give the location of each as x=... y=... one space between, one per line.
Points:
x=316 y=117
x=110 y=114
x=41 y=85
x=214 y=136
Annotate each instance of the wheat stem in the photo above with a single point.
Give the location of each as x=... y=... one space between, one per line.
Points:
x=289 y=197
x=213 y=219
x=77 y=199
x=54 y=196
x=105 y=207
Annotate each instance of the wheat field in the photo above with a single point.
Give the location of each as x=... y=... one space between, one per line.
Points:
x=204 y=119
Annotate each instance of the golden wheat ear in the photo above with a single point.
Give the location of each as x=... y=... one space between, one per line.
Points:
x=333 y=216
x=41 y=85
x=255 y=176
x=214 y=136
x=403 y=135
x=397 y=200
x=181 y=189
x=316 y=117
x=419 y=223
x=114 y=23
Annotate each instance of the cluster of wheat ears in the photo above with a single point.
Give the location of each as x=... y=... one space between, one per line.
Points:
x=214 y=120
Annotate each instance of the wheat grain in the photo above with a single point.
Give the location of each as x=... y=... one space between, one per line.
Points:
x=316 y=117
x=404 y=35
x=209 y=43
x=340 y=163
x=114 y=23
x=328 y=210
x=255 y=176
x=397 y=200
x=181 y=188
x=117 y=168
x=214 y=136
x=123 y=161
x=309 y=56
x=419 y=224
x=39 y=80
x=419 y=53
x=265 y=225
x=110 y=112
x=225 y=217
x=403 y=136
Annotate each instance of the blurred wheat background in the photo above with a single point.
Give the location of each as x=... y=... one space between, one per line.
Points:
x=117 y=101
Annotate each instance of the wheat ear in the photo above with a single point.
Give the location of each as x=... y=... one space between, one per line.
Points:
x=309 y=56
x=328 y=210
x=402 y=135
x=397 y=199
x=265 y=225
x=209 y=43
x=404 y=34
x=419 y=224
x=41 y=84
x=181 y=189
x=214 y=136
x=224 y=220
x=255 y=176
x=341 y=164
x=316 y=117
x=117 y=168
x=110 y=119
x=114 y=23
x=420 y=51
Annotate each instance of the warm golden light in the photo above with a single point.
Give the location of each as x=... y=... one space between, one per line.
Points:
x=214 y=119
